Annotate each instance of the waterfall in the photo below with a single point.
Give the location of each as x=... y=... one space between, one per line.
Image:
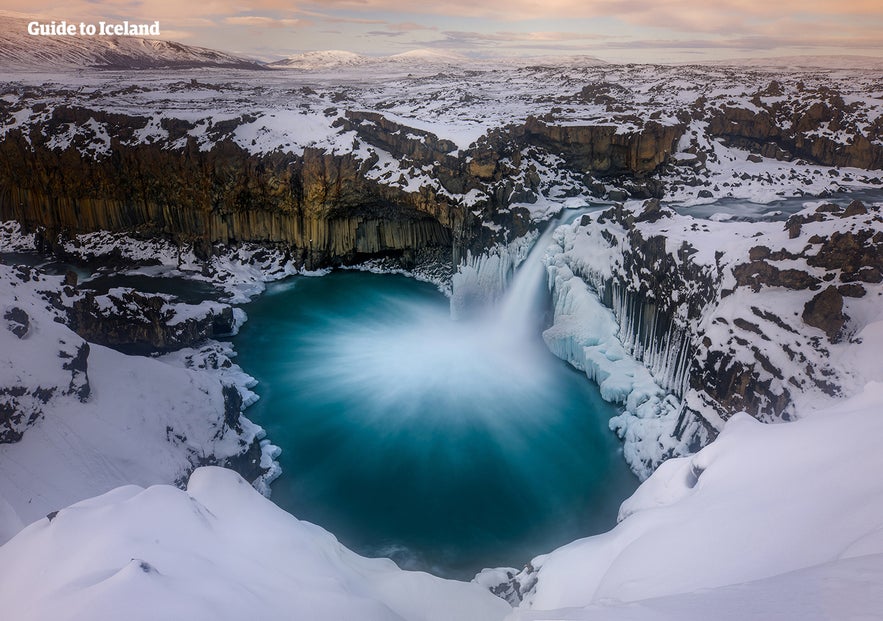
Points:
x=523 y=302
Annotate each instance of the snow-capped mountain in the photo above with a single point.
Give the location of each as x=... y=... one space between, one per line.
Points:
x=334 y=59
x=423 y=55
x=324 y=59
x=841 y=61
x=20 y=50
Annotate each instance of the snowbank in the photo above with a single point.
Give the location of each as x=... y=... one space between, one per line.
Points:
x=92 y=418
x=760 y=501
x=216 y=551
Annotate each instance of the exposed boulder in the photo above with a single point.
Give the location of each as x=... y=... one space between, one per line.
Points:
x=825 y=312
x=17 y=321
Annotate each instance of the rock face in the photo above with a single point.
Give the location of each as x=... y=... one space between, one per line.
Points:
x=66 y=367
x=724 y=323
x=329 y=208
x=605 y=149
x=427 y=169
x=138 y=324
x=317 y=203
x=785 y=130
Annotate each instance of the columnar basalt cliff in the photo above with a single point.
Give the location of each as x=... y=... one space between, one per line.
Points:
x=318 y=203
x=732 y=316
x=81 y=170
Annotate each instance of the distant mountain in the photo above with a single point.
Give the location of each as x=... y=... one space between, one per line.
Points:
x=19 y=50
x=331 y=59
x=843 y=61
x=428 y=56
x=326 y=59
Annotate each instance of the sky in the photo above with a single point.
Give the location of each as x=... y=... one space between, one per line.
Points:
x=613 y=30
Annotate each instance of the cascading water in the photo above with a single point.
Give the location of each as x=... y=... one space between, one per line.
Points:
x=521 y=305
x=448 y=445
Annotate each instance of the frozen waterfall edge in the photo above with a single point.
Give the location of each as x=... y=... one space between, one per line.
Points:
x=586 y=334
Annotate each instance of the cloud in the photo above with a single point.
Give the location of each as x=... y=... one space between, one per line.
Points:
x=595 y=43
x=489 y=26
x=263 y=21
x=563 y=9
x=400 y=29
x=410 y=27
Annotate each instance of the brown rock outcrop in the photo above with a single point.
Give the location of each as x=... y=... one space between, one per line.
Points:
x=325 y=207
x=762 y=133
x=825 y=312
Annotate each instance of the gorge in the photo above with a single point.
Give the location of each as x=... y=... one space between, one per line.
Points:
x=186 y=272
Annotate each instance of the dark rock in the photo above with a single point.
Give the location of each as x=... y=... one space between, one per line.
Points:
x=758 y=252
x=232 y=407
x=748 y=326
x=855 y=208
x=140 y=324
x=762 y=132
x=852 y=290
x=760 y=273
x=651 y=211
x=70 y=278
x=757 y=159
x=78 y=365
x=18 y=321
x=247 y=463
x=825 y=312
x=849 y=252
x=870 y=274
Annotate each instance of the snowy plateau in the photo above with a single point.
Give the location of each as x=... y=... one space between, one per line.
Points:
x=713 y=251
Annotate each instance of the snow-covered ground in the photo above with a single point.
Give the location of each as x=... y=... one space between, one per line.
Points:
x=771 y=521
x=758 y=503
x=91 y=418
x=217 y=551
x=295 y=109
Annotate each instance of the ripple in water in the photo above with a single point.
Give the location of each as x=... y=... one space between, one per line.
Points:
x=448 y=446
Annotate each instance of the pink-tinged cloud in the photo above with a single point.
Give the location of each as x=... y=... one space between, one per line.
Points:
x=490 y=26
x=409 y=27
x=262 y=21
x=562 y=9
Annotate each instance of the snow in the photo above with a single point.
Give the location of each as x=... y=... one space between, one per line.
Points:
x=761 y=501
x=325 y=59
x=732 y=532
x=586 y=334
x=125 y=430
x=842 y=589
x=217 y=550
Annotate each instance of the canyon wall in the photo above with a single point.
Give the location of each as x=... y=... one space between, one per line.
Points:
x=727 y=316
x=326 y=207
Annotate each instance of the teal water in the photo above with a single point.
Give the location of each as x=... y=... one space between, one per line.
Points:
x=439 y=444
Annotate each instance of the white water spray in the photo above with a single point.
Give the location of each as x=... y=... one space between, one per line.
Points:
x=522 y=303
